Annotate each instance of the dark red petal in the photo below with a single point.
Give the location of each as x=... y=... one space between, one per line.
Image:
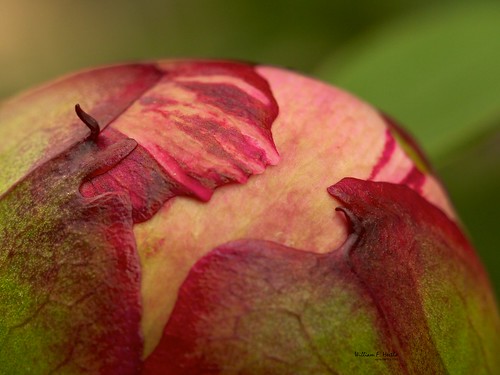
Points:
x=202 y=125
x=259 y=307
x=138 y=175
x=69 y=272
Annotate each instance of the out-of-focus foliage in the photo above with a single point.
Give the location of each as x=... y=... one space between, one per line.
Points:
x=436 y=68
x=40 y=40
x=473 y=181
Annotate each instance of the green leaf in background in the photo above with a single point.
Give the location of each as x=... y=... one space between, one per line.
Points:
x=473 y=181
x=438 y=73
x=41 y=40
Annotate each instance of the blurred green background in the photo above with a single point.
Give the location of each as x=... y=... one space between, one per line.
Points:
x=434 y=66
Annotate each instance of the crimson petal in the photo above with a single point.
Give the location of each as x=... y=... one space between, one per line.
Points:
x=406 y=285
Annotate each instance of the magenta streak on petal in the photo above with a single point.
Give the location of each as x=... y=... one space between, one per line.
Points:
x=389 y=147
x=206 y=130
x=414 y=179
x=233 y=101
x=403 y=133
x=178 y=174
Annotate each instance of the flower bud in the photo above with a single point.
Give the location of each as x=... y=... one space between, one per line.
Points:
x=206 y=217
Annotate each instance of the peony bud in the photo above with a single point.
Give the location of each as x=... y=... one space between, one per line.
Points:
x=205 y=217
